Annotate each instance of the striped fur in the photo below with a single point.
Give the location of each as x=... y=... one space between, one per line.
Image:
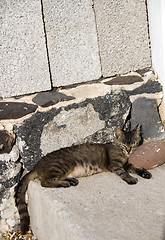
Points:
x=20 y=191
x=61 y=168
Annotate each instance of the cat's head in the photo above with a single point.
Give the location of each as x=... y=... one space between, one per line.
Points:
x=128 y=140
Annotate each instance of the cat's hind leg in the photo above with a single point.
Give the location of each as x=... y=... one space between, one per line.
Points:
x=54 y=183
x=72 y=181
x=56 y=176
x=138 y=170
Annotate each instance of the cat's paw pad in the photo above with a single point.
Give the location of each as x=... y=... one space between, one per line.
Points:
x=146 y=174
x=73 y=181
x=131 y=180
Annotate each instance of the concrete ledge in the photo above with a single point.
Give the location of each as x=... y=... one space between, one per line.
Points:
x=101 y=207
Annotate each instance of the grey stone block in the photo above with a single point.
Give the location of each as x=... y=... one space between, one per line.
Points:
x=72 y=41
x=123 y=35
x=24 y=65
x=144 y=112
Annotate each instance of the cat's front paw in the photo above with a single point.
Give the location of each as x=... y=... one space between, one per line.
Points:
x=144 y=173
x=131 y=180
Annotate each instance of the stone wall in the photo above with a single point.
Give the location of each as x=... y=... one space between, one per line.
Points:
x=49 y=44
x=86 y=113
x=52 y=43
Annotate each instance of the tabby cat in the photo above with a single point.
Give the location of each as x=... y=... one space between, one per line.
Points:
x=61 y=168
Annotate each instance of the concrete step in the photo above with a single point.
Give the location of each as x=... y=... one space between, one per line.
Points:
x=101 y=207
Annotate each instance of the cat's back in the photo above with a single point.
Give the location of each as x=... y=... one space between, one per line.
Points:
x=78 y=149
x=83 y=153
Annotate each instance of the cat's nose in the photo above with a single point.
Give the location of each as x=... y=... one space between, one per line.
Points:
x=129 y=149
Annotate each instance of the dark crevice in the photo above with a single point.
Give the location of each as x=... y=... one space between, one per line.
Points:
x=127 y=124
x=46 y=43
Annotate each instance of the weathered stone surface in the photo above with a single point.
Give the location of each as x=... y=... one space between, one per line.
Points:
x=24 y=65
x=124 y=80
x=8 y=214
x=150 y=86
x=115 y=115
x=48 y=131
x=14 y=110
x=6 y=141
x=70 y=127
x=10 y=171
x=149 y=155
x=144 y=112
x=72 y=41
x=46 y=99
x=101 y=207
x=123 y=35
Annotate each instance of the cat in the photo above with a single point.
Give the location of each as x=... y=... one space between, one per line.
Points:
x=61 y=168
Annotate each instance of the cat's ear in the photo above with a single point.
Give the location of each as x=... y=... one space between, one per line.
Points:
x=137 y=130
x=119 y=133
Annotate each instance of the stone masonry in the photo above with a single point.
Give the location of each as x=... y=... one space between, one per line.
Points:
x=72 y=41
x=123 y=35
x=57 y=83
x=91 y=115
x=52 y=43
x=24 y=66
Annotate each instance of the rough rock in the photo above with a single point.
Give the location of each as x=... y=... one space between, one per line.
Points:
x=149 y=155
x=45 y=99
x=144 y=71
x=15 y=110
x=9 y=218
x=150 y=86
x=6 y=141
x=144 y=111
x=10 y=171
x=124 y=80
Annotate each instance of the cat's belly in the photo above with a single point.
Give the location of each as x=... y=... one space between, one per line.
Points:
x=80 y=171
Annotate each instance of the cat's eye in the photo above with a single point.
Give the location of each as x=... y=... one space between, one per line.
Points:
x=135 y=143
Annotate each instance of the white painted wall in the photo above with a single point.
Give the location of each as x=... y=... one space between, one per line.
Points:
x=156 y=12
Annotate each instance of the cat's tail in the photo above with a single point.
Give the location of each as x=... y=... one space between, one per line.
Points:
x=20 y=191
